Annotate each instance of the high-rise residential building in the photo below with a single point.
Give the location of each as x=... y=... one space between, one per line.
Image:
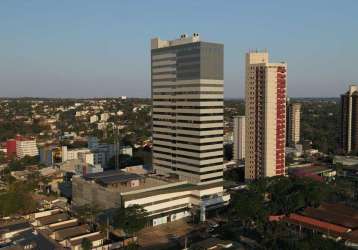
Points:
x=187 y=95
x=265 y=112
x=349 y=120
x=293 y=123
x=239 y=138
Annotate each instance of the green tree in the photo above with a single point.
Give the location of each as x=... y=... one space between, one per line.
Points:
x=88 y=213
x=248 y=208
x=17 y=200
x=130 y=219
x=2 y=157
x=86 y=244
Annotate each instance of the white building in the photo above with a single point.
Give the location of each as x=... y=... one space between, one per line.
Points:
x=71 y=154
x=104 y=117
x=86 y=157
x=293 y=124
x=25 y=147
x=239 y=138
x=187 y=96
x=93 y=118
x=163 y=198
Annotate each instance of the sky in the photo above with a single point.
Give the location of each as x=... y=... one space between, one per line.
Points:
x=93 y=48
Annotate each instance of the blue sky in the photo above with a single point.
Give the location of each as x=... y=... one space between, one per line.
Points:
x=91 y=48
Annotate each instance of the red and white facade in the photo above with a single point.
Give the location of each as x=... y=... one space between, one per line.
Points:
x=265 y=97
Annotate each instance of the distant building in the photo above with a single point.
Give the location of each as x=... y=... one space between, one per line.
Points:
x=239 y=138
x=93 y=118
x=318 y=172
x=104 y=117
x=293 y=124
x=71 y=154
x=26 y=146
x=79 y=167
x=92 y=142
x=86 y=157
x=11 y=148
x=349 y=120
x=102 y=152
x=47 y=155
x=126 y=150
x=102 y=125
x=265 y=112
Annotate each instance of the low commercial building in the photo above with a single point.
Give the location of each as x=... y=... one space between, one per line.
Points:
x=21 y=235
x=53 y=229
x=165 y=199
x=345 y=160
x=313 y=171
x=331 y=220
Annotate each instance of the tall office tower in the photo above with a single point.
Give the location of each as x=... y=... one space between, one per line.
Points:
x=349 y=120
x=187 y=95
x=293 y=123
x=265 y=109
x=239 y=138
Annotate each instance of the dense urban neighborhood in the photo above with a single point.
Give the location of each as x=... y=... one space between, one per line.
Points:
x=58 y=154
x=114 y=138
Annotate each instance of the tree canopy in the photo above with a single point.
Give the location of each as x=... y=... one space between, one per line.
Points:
x=130 y=219
x=249 y=212
x=86 y=244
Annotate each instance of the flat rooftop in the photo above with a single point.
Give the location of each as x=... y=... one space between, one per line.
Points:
x=113 y=176
x=309 y=169
x=63 y=225
x=92 y=237
x=50 y=219
x=72 y=232
x=14 y=227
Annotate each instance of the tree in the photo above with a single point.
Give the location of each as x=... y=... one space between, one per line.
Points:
x=2 y=157
x=228 y=152
x=87 y=213
x=248 y=208
x=277 y=196
x=235 y=174
x=16 y=201
x=86 y=244
x=130 y=219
